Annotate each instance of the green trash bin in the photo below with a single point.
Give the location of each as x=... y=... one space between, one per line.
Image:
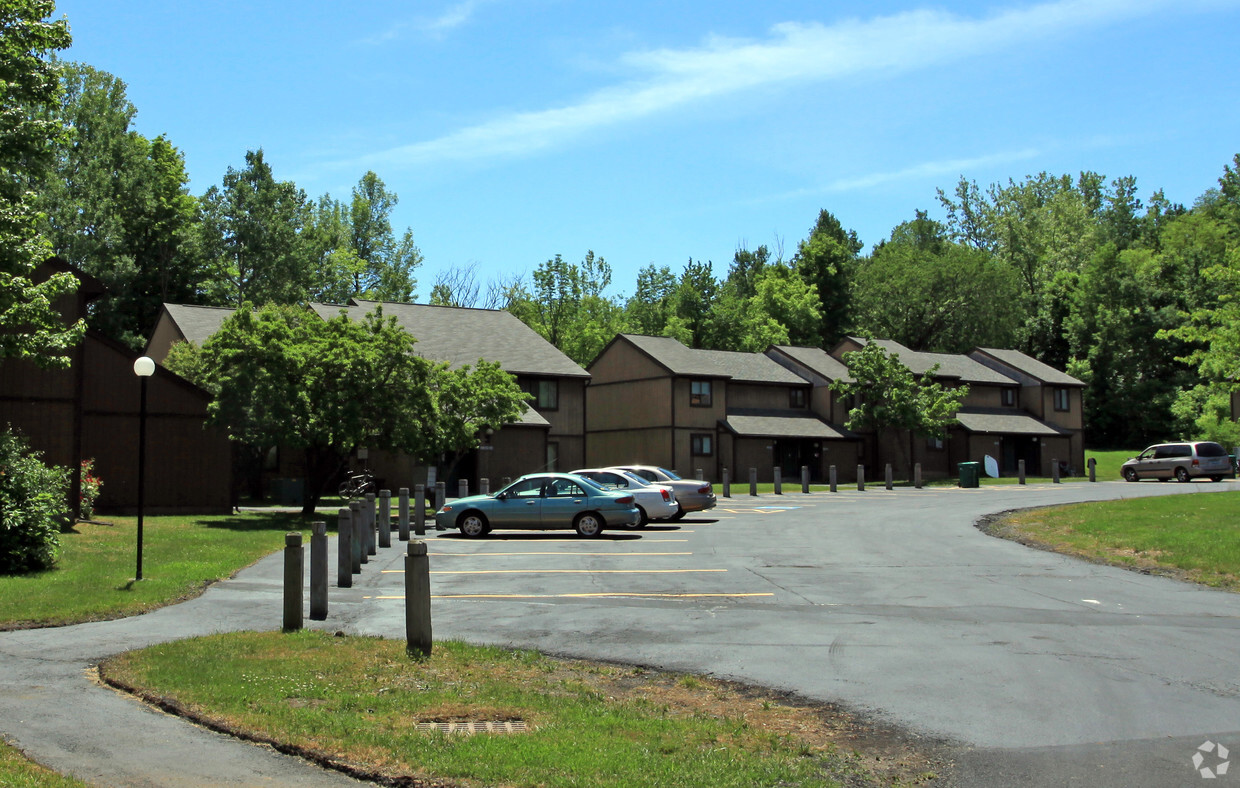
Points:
x=969 y=473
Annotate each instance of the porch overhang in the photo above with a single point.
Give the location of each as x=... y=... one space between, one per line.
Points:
x=993 y=421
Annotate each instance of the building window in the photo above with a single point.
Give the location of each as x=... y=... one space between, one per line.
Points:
x=1062 y=401
x=796 y=398
x=553 y=457
x=702 y=445
x=934 y=443
x=546 y=393
x=699 y=393
x=1010 y=398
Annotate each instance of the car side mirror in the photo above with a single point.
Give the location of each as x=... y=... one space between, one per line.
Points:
x=501 y=496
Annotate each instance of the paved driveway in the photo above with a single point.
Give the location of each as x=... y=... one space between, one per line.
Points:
x=1032 y=668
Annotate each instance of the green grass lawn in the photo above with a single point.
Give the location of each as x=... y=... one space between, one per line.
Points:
x=181 y=556
x=18 y=772
x=1192 y=537
x=357 y=703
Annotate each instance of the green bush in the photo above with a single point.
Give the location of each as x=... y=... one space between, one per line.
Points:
x=33 y=505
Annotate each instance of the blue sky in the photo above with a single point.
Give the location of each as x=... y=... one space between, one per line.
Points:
x=655 y=132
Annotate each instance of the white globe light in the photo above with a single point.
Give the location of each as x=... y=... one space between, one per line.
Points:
x=144 y=367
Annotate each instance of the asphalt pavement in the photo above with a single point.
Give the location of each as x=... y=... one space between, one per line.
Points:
x=1026 y=667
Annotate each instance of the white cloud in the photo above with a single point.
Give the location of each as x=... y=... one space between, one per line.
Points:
x=452 y=17
x=667 y=79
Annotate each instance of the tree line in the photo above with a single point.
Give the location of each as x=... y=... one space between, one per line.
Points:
x=1135 y=298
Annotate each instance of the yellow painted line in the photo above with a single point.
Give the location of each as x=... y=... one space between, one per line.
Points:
x=645 y=540
x=574 y=571
x=622 y=555
x=579 y=596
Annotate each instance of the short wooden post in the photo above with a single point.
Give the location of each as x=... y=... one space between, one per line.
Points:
x=861 y=478
x=727 y=485
x=917 y=475
x=462 y=488
x=805 y=479
x=402 y=522
x=358 y=545
x=1055 y=471
x=293 y=569
x=1093 y=464
x=484 y=486
x=832 y=478
x=441 y=495
x=417 y=600
x=368 y=513
x=779 y=480
x=698 y=473
x=344 y=549
x=385 y=518
x=318 y=571
x=419 y=510
x=753 y=481
x=1020 y=471
x=887 y=476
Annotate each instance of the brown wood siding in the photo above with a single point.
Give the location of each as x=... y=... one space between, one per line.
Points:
x=627 y=447
x=642 y=403
x=165 y=335
x=696 y=418
x=741 y=395
x=982 y=396
x=622 y=361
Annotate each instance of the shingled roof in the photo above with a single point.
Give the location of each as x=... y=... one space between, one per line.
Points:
x=1026 y=364
x=951 y=365
x=1005 y=421
x=816 y=360
x=198 y=323
x=678 y=359
x=762 y=423
x=461 y=336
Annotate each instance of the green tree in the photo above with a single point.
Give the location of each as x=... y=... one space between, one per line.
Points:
x=30 y=325
x=891 y=399
x=250 y=237
x=689 y=305
x=781 y=309
x=568 y=306
x=646 y=312
x=471 y=403
x=932 y=294
x=826 y=261
x=116 y=205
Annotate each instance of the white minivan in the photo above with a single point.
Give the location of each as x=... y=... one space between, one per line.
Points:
x=1179 y=461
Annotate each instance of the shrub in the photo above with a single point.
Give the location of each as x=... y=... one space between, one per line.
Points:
x=33 y=505
x=91 y=485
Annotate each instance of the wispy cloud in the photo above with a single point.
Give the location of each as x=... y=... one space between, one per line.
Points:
x=451 y=18
x=664 y=80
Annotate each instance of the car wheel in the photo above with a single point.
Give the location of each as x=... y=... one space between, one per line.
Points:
x=473 y=525
x=588 y=524
x=1130 y=474
x=1216 y=478
x=1181 y=475
x=645 y=518
x=680 y=513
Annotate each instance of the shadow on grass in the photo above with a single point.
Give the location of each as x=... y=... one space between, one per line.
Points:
x=264 y=521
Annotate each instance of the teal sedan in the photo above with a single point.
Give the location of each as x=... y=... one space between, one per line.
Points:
x=542 y=501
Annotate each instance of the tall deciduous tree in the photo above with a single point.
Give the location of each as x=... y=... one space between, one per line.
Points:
x=30 y=326
x=569 y=308
x=250 y=236
x=116 y=205
x=891 y=399
x=826 y=261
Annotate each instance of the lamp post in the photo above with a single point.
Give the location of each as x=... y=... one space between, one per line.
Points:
x=143 y=368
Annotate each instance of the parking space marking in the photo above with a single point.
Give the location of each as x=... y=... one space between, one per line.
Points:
x=472 y=555
x=585 y=595
x=564 y=571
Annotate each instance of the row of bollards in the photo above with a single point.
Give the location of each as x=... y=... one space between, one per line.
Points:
x=361 y=528
x=832 y=479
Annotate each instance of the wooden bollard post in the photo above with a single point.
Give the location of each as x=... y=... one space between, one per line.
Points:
x=318 y=571
x=697 y=473
x=462 y=488
x=1055 y=471
x=419 y=510
x=358 y=546
x=441 y=497
x=1093 y=465
x=887 y=476
x=917 y=475
x=1020 y=471
x=484 y=486
x=805 y=479
x=727 y=485
x=385 y=518
x=417 y=601
x=368 y=513
x=293 y=569
x=832 y=478
x=860 y=478
x=402 y=523
x=778 y=473
x=753 y=481
x=344 y=549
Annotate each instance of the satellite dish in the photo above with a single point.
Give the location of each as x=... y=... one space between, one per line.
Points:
x=992 y=467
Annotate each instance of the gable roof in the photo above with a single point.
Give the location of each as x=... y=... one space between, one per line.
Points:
x=816 y=360
x=1005 y=422
x=678 y=359
x=461 y=336
x=767 y=423
x=1026 y=364
x=198 y=323
x=952 y=366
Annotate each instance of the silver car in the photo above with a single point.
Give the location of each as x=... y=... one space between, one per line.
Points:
x=654 y=501
x=692 y=495
x=541 y=501
x=1179 y=461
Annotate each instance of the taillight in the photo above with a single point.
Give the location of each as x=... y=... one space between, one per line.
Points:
x=667 y=498
x=704 y=490
x=626 y=500
x=1196 y=463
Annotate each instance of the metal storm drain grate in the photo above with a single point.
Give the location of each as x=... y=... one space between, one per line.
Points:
x=472 y=727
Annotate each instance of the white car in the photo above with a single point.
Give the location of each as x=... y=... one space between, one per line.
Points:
x=693 y=495
x=653 y=501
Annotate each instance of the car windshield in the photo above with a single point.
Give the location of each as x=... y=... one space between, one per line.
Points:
x=634 y=479
x=587 y=480
x=670 y=474
x=1210 y=450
